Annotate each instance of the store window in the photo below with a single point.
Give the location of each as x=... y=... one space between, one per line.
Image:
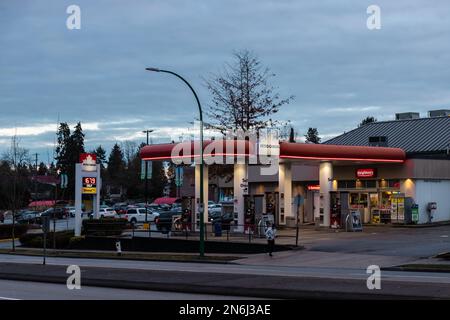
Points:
x=389 y=183
x=358 y=200
x=346 y=184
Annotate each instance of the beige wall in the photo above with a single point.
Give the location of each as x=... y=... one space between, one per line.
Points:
x=412 y=168
x=299 y=173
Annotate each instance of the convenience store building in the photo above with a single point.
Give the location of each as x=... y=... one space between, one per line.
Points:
x=381 y=169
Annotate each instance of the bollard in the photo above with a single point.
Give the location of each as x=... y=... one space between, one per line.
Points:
x=118 y=248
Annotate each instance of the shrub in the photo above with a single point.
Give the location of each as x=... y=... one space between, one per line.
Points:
x=35 y=240
x=74 y=241
x=6 y=230
x=104 y=227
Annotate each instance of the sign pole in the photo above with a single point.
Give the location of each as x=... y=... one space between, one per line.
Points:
x=44 y=223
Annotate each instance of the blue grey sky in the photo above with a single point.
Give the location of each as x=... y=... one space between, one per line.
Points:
x=321 y=52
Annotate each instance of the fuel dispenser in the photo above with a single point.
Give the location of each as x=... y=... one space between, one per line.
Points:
x=335 y=217
x=249 y=214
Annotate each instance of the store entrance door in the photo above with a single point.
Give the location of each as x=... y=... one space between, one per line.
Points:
x=360 y=201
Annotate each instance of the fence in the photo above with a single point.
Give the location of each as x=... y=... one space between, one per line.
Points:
x=218 y=232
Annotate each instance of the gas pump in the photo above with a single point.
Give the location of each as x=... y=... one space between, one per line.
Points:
x=187 y=208
x=335 y=218
x=249 y=214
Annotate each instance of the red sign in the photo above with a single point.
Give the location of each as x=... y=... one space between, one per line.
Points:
x=88 y=161
x=89 y=182
x=366 y=173
x=313 y=187
x=88 y=157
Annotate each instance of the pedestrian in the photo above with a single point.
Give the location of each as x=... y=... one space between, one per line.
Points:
x=270 y=236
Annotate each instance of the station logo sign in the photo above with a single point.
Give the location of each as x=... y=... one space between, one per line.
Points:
x=364 y=173
x=88 y=162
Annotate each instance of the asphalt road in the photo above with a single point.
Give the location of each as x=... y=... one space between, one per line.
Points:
x=387 y=241
x=289 y=271
x=24 y=290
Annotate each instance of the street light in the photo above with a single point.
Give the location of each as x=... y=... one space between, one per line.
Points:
x=146 y=180
x=202 y=230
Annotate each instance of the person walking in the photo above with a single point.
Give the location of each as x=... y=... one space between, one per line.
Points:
x=270 y=236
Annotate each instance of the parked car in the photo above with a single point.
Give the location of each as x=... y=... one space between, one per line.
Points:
x=28 y=217
x=225 y=220
x=55 y=213
x=71 y=210
x=105 y=213
x=121 y=208
x=215 y=208
x=165 y=219
x=135 y=215
x=211 y=203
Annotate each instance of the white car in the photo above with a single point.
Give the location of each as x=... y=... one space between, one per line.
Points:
x=137 y=215
x=215 y=208
x=71 y=211
x=106 y=213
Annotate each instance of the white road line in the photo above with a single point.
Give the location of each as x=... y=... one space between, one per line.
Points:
x=6 y=298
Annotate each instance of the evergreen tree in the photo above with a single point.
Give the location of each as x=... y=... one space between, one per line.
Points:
x=367 y=120
x=158 y=181
x=42 y=169
x=68 y=151
x=292 y=135
x=116 y=165
x=63 y=136
x=312 y=136
x=101 y=156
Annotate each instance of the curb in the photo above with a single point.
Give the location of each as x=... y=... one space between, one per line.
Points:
x=407 y=269
x=115 y=257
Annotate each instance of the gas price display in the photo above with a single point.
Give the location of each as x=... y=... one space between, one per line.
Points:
x=89 y=185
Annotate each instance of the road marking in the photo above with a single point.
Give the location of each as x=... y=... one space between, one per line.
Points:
x=6 y=298
x=444 y=236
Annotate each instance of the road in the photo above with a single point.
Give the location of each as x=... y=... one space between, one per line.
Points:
x=24 y=290
x=290 y=271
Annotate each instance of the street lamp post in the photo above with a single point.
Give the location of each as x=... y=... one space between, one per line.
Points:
x=146 y=180
x=201 y=206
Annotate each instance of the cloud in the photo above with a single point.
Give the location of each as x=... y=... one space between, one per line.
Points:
x=322 y=53
x=356 y=109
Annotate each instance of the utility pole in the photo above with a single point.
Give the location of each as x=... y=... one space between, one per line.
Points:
x=35 y=174
x=201 y=205
x=146 y=180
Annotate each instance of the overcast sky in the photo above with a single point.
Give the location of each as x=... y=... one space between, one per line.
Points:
x=321 y=52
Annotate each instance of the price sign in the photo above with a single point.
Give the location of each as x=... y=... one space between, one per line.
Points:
x=89 y=185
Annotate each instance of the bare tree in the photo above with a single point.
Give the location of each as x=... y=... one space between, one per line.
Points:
x=130 y=150
x=242 y=97
x=17 y=158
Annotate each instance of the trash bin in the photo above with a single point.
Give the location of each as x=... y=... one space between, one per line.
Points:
x=218 y=229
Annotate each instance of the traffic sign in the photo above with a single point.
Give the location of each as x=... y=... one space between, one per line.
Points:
x=179 y=176
x=149 y=169
x=64 y=181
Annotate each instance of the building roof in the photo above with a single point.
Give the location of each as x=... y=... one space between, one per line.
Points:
x=293 y=151
x=423 y=135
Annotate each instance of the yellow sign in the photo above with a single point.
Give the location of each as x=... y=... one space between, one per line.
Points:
x=89 y=190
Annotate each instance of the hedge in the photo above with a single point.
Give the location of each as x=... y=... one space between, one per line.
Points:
x=36 y=240
x=104 y=227
x=6 y=230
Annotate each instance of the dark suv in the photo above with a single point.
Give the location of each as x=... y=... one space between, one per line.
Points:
x=55 y=213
